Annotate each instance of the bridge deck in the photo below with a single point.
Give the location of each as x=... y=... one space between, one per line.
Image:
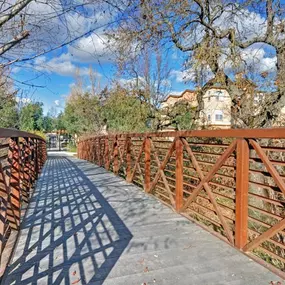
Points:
x=87 y=226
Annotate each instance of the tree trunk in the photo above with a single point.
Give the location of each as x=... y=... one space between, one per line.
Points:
x=277 y=100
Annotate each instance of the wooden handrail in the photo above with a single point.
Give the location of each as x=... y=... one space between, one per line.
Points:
x=227 y=133
x=11 y=133
x=232 y=180
x=21 y=159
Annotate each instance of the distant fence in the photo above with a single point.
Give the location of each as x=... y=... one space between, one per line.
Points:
x=231 y=181
x=22 y=156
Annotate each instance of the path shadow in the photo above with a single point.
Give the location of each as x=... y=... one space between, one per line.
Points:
x=71 y=234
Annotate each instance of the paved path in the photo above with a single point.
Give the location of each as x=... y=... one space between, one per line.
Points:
x=87 y=226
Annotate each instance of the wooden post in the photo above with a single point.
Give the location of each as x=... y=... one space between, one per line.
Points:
x=36 y=160
x=129 y=159
x=147 y=158
x=25 y=170
x=242 y=183
x=179 y=175
x=106 y=154
x=115 y=154
x=14 y=160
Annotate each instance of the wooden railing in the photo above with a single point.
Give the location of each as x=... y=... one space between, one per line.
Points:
x=230 y=181
x=22 y=156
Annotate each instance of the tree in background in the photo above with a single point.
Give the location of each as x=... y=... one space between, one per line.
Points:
x=82 y=113
x=8 y=103
x=179 y=116
x=146 y=76
x=215 y=37
x=31 y=117
x=124 y=112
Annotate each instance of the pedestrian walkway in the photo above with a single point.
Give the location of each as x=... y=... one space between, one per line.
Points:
x=85 y=225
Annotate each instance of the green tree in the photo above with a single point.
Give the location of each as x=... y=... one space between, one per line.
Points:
x=31 y=117
x=180 y=116
x=48 y=123
x=8 y=103
x=82 y=113
x=9 y=115
x=125 y=112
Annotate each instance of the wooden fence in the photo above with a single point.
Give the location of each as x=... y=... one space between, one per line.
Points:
x=230 y=181
x=22 y=156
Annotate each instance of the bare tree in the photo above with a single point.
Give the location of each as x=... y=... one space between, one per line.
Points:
x=30 y=28
x=146 y=74
x=213 y=34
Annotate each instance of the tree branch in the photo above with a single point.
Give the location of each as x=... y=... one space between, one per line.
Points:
x=17 y=8
x=15 y=41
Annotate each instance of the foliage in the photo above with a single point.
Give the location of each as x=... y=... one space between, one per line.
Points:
x=124 y=112
x=180 y=116
x=48 y=124
x=72 y=147
x=31 y=117
x=8 y=104
x=82 y=113
x=197 y=30
x=39 y=133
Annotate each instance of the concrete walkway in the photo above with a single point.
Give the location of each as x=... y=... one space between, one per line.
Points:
x=87 y=226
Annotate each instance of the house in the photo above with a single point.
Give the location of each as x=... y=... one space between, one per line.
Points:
x=187 y=95
x=216 y=103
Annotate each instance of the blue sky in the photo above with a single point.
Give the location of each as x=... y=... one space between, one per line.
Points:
x=55 y=71
x=54 y=86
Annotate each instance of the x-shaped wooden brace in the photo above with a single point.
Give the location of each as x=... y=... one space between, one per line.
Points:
x=121 y=153
x=160 y=171
x=8 y=204
x=207 y=187
x=137 y=163
x=280 y=183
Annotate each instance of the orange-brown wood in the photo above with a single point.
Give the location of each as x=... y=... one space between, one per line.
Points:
x=229 y=133
x=115 y=157
x=209 y=192
x=137 y=162
x=163 y=164
x=160 y=172
x=106 y=155
x=265 y=236
x=129 y=159
x=179 y=174
x=211 y=173
x=212 y=167
x=269 y=166
x=242 y=184
x=147 y=157
x=15 y=192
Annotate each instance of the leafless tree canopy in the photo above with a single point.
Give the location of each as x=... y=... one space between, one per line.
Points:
x=30 y=28
x=214 y=35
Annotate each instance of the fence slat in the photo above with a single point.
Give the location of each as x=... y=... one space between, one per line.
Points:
x=242 y=184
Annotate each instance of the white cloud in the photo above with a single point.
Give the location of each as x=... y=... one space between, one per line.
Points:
x=257 y=60
x=91 y=49
x=61 y=65
x=57 y=102
x=247 y=23
x=191 y=74
x=183 y=76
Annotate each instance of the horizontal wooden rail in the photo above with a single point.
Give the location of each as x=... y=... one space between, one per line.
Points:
x=22 y=156
x=230 y=181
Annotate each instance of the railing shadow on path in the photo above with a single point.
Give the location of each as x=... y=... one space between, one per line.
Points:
x=71 y=234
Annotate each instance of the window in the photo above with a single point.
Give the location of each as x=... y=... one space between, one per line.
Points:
x=219 y=115
x=219 y=95
x=209 y=98
x=209 y=117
